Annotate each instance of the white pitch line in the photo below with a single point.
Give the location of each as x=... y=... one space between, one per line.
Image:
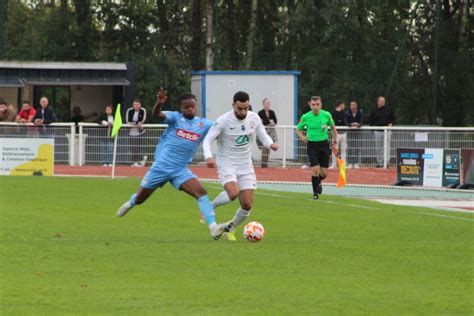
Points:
x=371 y=208
x=441 y=215
x=367 y=207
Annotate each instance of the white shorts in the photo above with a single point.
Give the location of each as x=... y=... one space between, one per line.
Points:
x=245 y=181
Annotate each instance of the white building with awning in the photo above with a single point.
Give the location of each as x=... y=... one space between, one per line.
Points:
x=91 y=86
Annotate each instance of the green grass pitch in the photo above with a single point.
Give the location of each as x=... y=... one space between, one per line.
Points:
x=63 y=251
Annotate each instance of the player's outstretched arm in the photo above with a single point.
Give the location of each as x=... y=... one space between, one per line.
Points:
x=160 y=100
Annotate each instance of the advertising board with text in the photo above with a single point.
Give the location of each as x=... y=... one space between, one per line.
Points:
x=27 y=156
x=432 y=167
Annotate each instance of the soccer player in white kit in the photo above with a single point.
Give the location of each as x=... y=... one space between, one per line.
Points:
x=234 y=132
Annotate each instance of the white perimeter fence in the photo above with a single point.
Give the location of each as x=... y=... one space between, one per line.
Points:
x=90 y=143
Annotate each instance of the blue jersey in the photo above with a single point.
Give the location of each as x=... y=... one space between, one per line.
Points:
x=180 y=140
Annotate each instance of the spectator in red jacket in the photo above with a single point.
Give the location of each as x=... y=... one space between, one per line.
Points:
x=26 y=114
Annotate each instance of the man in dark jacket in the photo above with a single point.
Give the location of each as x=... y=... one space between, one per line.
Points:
x=45 y=114
x=340 y=119
x=382 y=116
x=355 y=118
x=269 y=120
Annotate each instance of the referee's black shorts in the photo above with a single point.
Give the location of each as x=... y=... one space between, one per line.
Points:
x=319 y=153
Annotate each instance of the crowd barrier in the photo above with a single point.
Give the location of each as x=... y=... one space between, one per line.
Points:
x=90 y=143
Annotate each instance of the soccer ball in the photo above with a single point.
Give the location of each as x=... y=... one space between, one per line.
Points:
x=254 y=231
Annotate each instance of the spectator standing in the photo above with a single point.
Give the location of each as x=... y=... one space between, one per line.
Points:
x=78 y=117
x=136 y=115
x=269 y=120
x=355 y=118
x=26 y=114
x=7 y=112
x=381 y=116
x=106 y=120
x=340 y=119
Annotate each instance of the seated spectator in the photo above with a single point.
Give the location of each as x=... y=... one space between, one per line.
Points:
x=26 y=114
x=7 y=112
x=45 y=115
x=78 y=117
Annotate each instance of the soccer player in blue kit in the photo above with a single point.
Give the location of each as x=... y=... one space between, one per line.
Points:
x=176 y=149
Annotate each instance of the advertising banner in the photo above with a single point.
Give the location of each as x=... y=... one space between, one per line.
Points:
x=26 y=156
x=432 y=167
x=451 y=167
x=410 y=165
x=468 y=166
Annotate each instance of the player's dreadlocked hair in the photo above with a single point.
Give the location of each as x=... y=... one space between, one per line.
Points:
x=186 y=96
x=241 y=96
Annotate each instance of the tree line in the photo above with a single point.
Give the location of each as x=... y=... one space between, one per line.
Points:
x=418 y=54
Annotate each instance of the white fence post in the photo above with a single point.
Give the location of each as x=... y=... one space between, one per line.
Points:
x=284 y=148
x=81 y=147
x=72 y=149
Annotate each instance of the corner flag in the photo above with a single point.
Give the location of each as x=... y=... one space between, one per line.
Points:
x=342 y=173
x=117 y=121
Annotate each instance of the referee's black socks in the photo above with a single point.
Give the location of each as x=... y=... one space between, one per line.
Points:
x=316 y=180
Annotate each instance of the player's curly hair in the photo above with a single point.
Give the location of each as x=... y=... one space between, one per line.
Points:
x=186 y=96
x=241 y=96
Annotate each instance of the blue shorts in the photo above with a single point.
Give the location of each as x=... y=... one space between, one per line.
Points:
x=156 y=177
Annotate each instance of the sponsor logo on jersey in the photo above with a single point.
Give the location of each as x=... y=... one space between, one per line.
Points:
x=187 y=135
x=242 y=140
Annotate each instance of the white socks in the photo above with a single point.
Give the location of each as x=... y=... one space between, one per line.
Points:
x=212 y=226
x=222 y=199
x=240 y=216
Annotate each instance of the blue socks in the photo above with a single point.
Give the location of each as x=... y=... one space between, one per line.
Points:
x=207 y=210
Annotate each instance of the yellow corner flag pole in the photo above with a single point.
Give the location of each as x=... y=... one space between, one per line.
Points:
x=342 y=173
x=115 y=129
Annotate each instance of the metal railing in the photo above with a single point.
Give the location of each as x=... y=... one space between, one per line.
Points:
x=90 y=143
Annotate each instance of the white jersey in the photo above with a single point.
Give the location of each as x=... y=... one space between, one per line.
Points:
x=234 y=140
